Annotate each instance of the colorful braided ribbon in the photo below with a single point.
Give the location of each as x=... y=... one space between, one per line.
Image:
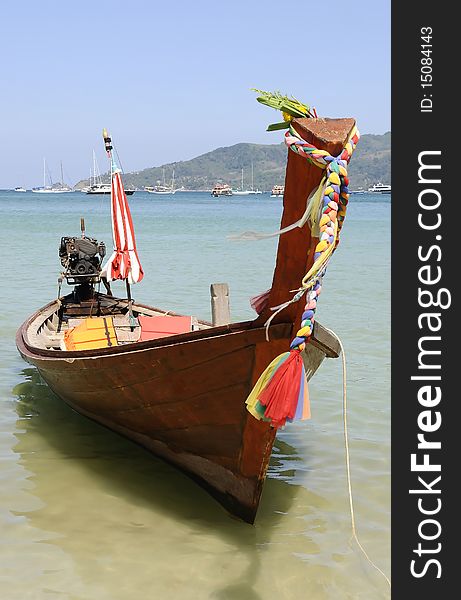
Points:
x=281 y=392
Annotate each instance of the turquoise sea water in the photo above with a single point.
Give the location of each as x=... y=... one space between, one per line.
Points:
x=87 y=515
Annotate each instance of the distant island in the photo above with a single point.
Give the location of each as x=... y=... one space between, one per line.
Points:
x=371 y=163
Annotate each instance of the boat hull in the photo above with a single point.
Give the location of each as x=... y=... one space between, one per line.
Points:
x=50 y=191
x=183 y=397
x=107 y=193
x=161 y=193
x=184 y=402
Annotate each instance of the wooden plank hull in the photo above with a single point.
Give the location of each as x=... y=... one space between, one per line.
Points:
x=184 y=402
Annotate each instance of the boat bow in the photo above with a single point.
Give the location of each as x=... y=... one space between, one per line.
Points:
x=296 y=248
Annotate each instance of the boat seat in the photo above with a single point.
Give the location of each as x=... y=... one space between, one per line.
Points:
x=52 y=340
x=77 y=337
x=153 y=328
x=125 y=331
x=74 y=322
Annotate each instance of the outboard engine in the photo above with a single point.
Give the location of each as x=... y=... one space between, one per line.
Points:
x=81 y=259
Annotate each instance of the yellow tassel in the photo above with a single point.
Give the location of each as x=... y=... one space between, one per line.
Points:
x=313 y=208
x=261 y=384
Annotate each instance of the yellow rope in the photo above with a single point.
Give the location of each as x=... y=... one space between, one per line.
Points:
x=310 y=277
x=348 y=464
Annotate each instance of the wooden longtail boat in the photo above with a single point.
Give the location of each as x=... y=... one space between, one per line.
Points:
x=182 y=396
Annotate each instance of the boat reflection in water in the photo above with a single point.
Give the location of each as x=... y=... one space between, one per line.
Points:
x=99 y=460
x=100 y=505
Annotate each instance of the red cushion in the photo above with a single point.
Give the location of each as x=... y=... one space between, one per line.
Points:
x=153 y=328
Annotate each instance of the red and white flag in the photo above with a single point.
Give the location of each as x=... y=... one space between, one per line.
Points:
x=124 y=262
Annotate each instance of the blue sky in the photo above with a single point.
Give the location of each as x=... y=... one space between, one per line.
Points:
x=171 y=80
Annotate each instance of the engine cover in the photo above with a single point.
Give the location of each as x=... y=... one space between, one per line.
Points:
x=81 y=259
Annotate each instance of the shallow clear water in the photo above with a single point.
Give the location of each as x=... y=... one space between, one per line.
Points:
x=87 y=515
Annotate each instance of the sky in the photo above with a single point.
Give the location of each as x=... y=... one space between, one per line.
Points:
x=171 y=80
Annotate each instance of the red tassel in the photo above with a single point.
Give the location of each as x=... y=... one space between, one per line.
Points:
x=280 y=397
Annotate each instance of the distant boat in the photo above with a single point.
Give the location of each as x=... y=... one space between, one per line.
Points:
x=64 y=187
x=242 y=191
x=253 y=191
x=380 y=188
x=221 y=189
x=278 y=191
x=20 y=189
x=96 y=184
x=159 y=189
x=359 y=190
x=162 y=189
x=105 y=188
x=99 y=188
x=95 y=176
x=51 y=189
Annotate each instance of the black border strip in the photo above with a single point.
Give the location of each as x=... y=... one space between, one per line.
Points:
x=425 y=131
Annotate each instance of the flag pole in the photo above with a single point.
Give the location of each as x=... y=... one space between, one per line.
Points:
x=109 y=148
x=131 y=318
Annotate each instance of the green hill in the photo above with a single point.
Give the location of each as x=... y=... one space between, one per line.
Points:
x=371 y=163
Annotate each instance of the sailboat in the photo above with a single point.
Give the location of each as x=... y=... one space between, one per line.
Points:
x=253 y=191
x=96 y=184
x=242 y=191
x=162 y=189
x=50 y=189
x=64 y=187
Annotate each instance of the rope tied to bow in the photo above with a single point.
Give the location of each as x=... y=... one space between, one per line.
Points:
x=281 y=392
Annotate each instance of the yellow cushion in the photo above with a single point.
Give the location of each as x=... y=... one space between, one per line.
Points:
x=97 y=332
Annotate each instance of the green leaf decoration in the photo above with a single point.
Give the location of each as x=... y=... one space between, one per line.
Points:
x=278 y=101
x=277 y=126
